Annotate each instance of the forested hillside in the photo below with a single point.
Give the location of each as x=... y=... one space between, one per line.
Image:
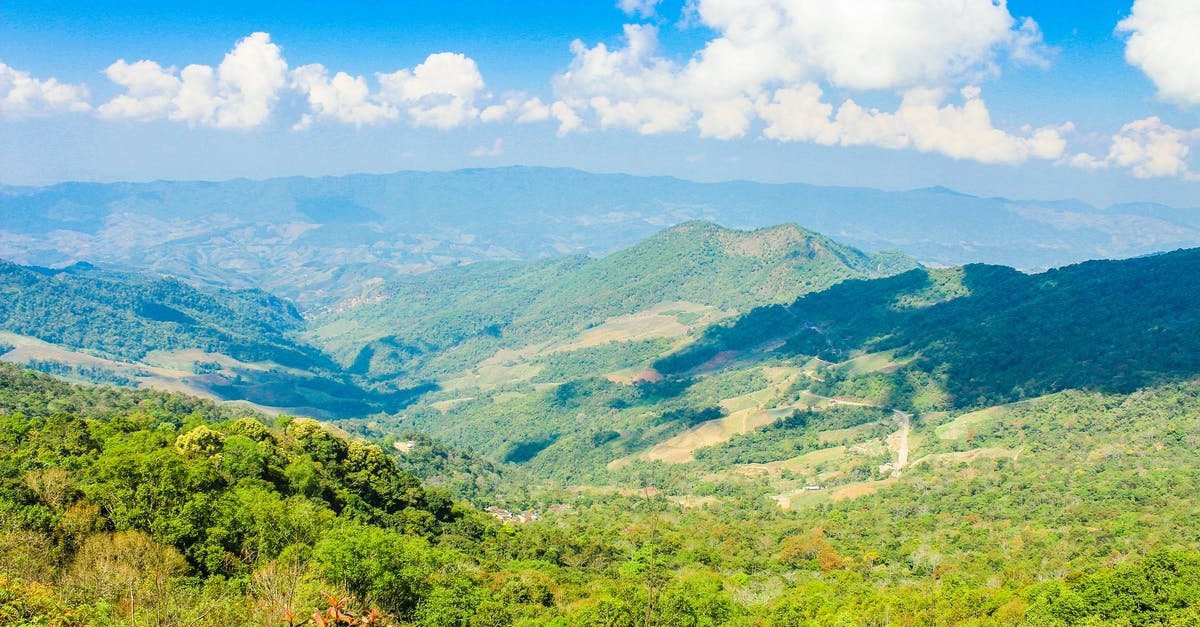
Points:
x=775 y=384
x=444 y=321
x=987 y=334
x=134 y=329
x=207 y=515
x=127 y=315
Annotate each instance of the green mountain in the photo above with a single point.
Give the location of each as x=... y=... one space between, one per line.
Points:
x=921 y=342
x=98 y=325
x=1046 y=512
x=128 y=316
x=319 y=241
x=988 y=334
x=444 y=321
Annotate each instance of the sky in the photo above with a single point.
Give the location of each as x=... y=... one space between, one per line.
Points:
x=1094 y=100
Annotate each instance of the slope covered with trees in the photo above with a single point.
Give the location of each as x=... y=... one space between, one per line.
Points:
x=128 y=315
x=125 y=317
x=445 y=320
x=207 y=515
x=988 y=334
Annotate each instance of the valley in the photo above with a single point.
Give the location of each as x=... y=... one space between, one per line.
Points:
x=757 y=419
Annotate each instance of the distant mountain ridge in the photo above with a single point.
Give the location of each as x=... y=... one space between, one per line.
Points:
x=322 y=240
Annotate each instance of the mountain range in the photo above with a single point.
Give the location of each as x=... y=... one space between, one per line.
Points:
x=320 y=241
x=706 y=425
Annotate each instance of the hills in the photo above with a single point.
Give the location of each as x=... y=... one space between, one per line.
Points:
x=710 y=427
x=322 y=241
x=989 y=334
x=927 y=341
x=436 y=323
x=248 y=345
x=104 y=326
x=218 y=516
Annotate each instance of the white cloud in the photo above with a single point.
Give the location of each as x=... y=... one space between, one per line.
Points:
x=495 y=150
x=344 y=98
x=517 y=106
x=769 y=57
x=241 y=92
x=569 y=120
x=640 y=8
x=1163 y=43
x=1148 y=148
x=150 y=91
x=22 y=95
x=867 y=44
x=924 y=122
x=440 y=92
x=725 y=119
x=648 y=116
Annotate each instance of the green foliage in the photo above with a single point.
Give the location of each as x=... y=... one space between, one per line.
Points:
x=985 y=335
x=206 y=512
x=449 y=319
x=790 y=437
x=1162 y=589
x=128 y=316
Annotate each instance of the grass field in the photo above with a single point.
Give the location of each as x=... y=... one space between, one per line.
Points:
x=968 y=456
x=884 y=361
x=745 y=413
x=958 y=428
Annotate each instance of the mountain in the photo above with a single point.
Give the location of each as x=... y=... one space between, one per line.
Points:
x=102 y=326
x=321 y=241
x=446 y=320
x=926 y=341
x=989 y=334
x=99 y=325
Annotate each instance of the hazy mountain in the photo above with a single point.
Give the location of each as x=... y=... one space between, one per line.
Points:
x=319 y=240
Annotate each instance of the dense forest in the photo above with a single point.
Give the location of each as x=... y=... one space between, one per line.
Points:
x=124 y=317
x=120 y=506
x=127 y=316
x=988 y=334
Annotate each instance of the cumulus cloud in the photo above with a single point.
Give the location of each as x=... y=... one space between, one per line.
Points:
x=924 y=122
x=494 y=150
x=1163 y=43
x=440 y=93
x=569 y=120
x=868 y=44
x=241 y=92
x=1148 y=148
x=517 y=106
x=22 y=95
x=344 y=98
x=770 y=57
x=445 y=91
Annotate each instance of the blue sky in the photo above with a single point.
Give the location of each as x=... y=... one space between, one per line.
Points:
x=1030 y=99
